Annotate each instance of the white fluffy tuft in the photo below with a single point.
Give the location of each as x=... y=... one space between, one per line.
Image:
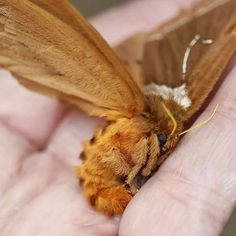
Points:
x=178 y=94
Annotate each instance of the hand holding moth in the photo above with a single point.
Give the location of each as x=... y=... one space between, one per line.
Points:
x=151 y=195
x=145 y=123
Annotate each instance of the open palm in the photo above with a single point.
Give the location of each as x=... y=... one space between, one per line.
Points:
x=193 y=193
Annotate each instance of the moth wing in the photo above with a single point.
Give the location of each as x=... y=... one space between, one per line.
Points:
x=66 y=12
x=72 y=63
x=166 y=47
x=130 y=53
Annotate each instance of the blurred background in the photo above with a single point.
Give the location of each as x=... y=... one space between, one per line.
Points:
x=89 y=8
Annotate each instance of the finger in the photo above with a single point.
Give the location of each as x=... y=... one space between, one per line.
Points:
x=33 y=115
x=193 y=193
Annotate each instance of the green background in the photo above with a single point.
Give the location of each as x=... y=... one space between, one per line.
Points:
x=91 y=7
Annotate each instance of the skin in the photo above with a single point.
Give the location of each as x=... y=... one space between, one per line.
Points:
x=193 y=193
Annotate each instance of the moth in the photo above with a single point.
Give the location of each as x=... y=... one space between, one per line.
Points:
x=50 y=48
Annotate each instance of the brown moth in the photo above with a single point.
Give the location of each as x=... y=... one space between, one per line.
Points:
x=50 y=48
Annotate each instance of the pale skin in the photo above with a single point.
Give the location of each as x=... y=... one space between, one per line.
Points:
x=193 y=193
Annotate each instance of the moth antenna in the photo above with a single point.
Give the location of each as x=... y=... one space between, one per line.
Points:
x=168 y=112
x=201 y=123
x=188 y=51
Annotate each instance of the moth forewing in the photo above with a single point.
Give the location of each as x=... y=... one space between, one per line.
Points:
x=205 y=76
x=166 y=46
x=65 y=11
x=74 y=63
x=131 y=52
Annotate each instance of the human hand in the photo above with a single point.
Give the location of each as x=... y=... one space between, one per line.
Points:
x=193 y=193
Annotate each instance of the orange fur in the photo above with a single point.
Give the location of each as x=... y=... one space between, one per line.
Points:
x=116 y=155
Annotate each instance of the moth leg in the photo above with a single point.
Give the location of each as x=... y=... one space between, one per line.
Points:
x=117 y=162
x=153 y=153
x=104 y=190
x=139 y=158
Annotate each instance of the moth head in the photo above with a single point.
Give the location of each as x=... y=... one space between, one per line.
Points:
x=162 y=138
x=165 y=141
